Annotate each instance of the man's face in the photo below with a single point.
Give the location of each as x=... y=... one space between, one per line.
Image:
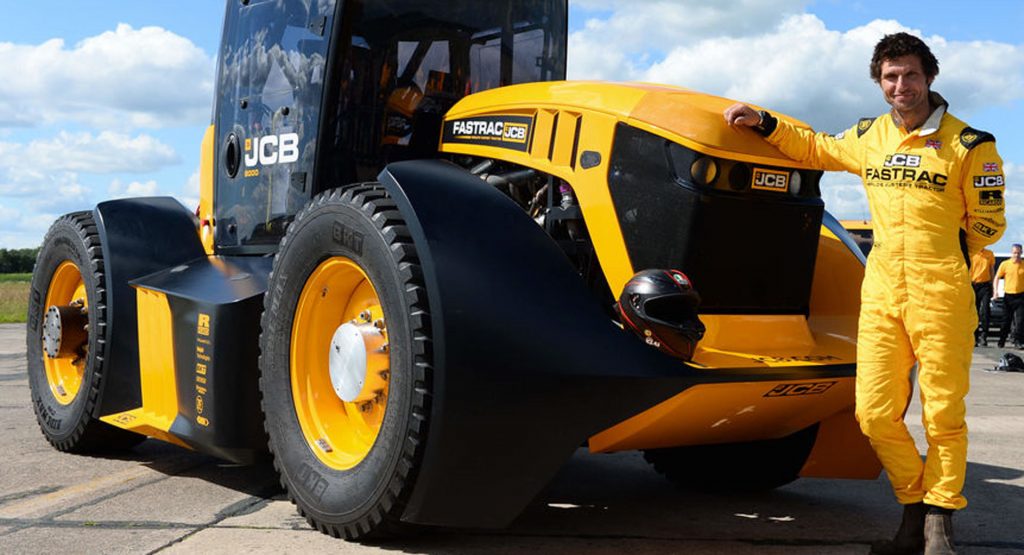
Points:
x=1015 y=253
x=904 y=84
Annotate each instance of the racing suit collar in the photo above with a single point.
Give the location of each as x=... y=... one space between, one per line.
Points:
x=931 y=125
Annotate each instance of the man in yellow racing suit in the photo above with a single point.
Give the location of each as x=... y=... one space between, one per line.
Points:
x=935 y=189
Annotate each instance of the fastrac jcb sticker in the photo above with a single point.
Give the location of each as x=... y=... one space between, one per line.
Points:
x=512 y=132
x=794 y=389
x=770 y=180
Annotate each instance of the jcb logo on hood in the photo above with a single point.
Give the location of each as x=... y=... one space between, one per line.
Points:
x=902 y=160
x=770 y=180
x=272 y=149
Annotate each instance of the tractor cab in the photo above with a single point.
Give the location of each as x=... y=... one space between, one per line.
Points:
x=316 y=95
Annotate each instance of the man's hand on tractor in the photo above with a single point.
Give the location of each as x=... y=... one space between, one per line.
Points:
x=741 y=114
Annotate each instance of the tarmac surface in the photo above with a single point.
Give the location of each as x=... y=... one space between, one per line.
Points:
x=158 y=498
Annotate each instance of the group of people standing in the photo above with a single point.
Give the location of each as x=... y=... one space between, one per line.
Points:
x=985 y=278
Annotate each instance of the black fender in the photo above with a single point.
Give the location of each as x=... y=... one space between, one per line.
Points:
x=526 y=363
x=139 y=236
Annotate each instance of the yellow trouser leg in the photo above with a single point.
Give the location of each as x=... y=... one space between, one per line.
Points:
x=884 y=363
x=942 y=325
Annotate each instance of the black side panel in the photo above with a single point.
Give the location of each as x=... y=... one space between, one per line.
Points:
x=216 y=304
x=139 y=236
x=526 y=364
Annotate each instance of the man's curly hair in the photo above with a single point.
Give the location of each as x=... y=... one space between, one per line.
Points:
x=902 y=44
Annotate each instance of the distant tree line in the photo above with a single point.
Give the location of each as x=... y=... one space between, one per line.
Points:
x=17 y=261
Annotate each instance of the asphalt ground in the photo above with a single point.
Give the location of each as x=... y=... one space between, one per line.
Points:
x=158 y=498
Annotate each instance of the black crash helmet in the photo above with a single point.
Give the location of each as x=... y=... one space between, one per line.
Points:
x=1010 y=362
x=660 y=306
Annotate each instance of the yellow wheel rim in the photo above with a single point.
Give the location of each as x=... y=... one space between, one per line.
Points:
x=64 y=374
x=340 y=433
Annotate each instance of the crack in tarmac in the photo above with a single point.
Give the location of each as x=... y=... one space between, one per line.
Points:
x=242 y=506
x=23 y=494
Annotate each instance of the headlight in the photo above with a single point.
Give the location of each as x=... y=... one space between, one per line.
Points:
x=794 y=183
x=704 y=171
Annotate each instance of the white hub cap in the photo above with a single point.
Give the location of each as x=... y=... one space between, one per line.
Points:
x=348 y=362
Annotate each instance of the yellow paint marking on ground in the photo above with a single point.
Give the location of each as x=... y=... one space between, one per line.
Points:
x=63 y=497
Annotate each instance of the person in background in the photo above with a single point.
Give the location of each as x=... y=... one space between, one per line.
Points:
x=1012 y=272
x=935 y=188
x=982 y=265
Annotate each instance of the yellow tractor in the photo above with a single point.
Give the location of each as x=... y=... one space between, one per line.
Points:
x=408 y=277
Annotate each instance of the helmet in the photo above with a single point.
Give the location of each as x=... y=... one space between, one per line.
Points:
x=1010 y=362
x=660 y=306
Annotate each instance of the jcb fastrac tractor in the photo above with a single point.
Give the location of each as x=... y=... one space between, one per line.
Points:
x=417 y=267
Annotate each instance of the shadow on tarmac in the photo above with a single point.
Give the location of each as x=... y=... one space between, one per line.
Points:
x=258 y=480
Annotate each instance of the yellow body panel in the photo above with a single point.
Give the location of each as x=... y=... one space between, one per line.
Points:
x=841 y=451
x=736 y=412
x=571 y=118
x=856 y=225
x=156 y=368
x=729 y=412
x=206 y=177
x=573 y=130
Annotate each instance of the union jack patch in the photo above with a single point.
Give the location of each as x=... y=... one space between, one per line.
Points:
x=932 y=143
x=990 y=167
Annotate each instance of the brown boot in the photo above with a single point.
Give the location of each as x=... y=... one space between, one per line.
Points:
x=938 y=533
x=909 y=539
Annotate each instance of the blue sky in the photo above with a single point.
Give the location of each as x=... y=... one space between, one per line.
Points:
x=118 y=107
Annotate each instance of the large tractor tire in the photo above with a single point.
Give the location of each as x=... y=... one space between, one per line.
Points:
x=345 y=370
x=736 y=467
x=66 y=344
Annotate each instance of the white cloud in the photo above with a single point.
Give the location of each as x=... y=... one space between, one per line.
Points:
x=192 y=185
x=118 y=189
x=23 y=230
x=794 y=65
x=189 y=196
x=844 y=196
x=126 y=78
x=23 y=166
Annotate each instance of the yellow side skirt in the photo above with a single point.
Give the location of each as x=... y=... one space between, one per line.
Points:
x=156 y=366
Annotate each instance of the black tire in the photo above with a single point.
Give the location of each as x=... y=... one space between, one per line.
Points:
x=73 y=427
x=366 y=501
x=735 y=467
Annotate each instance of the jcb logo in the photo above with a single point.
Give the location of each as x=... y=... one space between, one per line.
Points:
x=793 y=389
x=902 y=161
x=988 y=181
x=515 y=132
x=272 y=149
x=769 y=180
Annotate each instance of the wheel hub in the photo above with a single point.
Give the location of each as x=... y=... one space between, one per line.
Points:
x=347 y=361
x=65 y=331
